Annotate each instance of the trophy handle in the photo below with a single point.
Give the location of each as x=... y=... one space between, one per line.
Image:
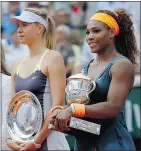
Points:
x=94 y=86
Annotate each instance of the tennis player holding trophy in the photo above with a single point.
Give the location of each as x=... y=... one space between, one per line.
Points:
x=95 y=112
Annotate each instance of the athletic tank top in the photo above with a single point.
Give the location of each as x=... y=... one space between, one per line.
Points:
x=98 y=95
x=114 y=132
x=38 y=84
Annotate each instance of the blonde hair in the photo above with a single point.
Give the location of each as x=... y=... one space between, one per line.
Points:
x=49 y=34
x=3 y=65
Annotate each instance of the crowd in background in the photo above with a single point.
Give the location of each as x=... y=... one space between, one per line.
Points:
x=71 y=19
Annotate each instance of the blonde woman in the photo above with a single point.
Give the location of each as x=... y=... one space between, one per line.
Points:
x=42 y=73
x=6 y=96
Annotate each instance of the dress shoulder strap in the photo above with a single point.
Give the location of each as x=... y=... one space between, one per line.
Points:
x=18 y=69
x=38 y=66
x=85 y=67
x=119 y=57
x=90 y=63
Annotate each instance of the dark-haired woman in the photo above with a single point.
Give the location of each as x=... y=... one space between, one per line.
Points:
x=109 y=35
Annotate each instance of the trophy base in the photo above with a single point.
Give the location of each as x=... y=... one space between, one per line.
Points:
x=83 y=125
x=80 y=127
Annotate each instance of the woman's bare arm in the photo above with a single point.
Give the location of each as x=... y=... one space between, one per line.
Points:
x=122 y=81
x=57 y=80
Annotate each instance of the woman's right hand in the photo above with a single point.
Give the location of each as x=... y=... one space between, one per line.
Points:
x=52 y=119
x=15 y=145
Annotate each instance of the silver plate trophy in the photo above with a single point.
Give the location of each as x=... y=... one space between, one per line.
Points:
x=24 y=116
x=78 y=90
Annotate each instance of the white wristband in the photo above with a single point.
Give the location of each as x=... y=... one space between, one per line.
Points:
x=72 y=108
x=36 y=145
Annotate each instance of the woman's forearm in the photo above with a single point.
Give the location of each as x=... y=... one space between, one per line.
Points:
x=44 y=131
x=102 y=110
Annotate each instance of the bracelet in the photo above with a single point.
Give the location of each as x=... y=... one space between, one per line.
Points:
x=72 y=108
x=56 y=107
x=8 y=138
x=36 y=145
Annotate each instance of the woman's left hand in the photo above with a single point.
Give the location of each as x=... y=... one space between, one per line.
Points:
x=63 y=118
x=29 y=147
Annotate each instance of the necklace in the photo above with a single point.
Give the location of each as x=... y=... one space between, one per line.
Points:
x=99 y=62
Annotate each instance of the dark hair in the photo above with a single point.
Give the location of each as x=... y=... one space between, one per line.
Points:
x=13 y=32
x=125 y=42
x=3 y=65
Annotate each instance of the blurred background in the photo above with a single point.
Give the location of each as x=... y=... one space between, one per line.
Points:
x=71 y=19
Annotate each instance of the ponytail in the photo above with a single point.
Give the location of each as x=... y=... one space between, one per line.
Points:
x=49 y=34
x=125 y=42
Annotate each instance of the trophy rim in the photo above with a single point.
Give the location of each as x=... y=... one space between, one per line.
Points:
x=38 y=124
x=79 y=76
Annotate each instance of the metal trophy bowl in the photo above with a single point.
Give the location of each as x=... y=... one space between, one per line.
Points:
x=24 y=116
x=78 y=88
